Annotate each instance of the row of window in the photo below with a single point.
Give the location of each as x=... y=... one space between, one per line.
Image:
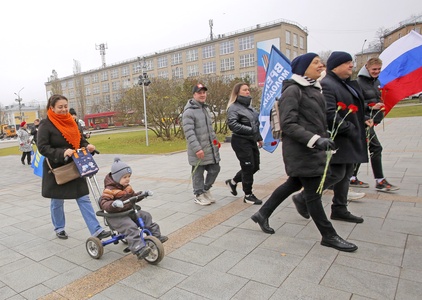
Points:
x=226 y=64
x=301 y=44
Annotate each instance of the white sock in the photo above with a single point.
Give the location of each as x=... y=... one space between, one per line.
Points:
x=233 y=182
x=379 y=179
x=353 y=178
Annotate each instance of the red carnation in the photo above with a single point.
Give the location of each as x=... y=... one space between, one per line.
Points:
x=353 y=108
x=372 y=104
x=341 y=105
x=273 y=143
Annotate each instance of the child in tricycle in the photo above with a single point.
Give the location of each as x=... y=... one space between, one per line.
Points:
x=116 y=190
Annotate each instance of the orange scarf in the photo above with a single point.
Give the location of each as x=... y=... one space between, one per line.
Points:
x=67 y=127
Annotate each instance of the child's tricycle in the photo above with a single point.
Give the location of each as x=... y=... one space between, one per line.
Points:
x=95 y=246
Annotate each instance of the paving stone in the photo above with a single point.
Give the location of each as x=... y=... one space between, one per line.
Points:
x=356 y=281
x=196 y=253
x=408 y=290
x=213 y=285
x=255 y=290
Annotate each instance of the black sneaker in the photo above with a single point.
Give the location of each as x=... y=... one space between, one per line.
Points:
x=163 y=238
x=143 y=252
x=62 y=235
x=252 y=199
x=357 y=183
x=231 y=186
x=104 y=234
x=385 y=186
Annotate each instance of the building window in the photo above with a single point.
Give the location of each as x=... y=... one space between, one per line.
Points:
x=95 y=77
x=208 y=51
x=96 y=89
x=227 y=64
x=301 y=42
x=87 y=80
x=250 y=76
x=287 y=37
x=87 y=91
x=114 y=73
x=115 y=85
x=64 y=84
x=177 y=73
x=106 y=87
x=104 y=76
x=163 y=74
x=226 y=47
x=192 y=70
x=149 y=65
x=192 y=55
x=210 y=67
x=125 y=71
x=162 y=62
x=136 y=68
x=228 y=78
x=246 y=43
x=288 y=53
x=294 y=40
x=294 y=54
x=247 y=60
x=69 y=84
x=126 y=83
x=116 y=98
x=176 y=59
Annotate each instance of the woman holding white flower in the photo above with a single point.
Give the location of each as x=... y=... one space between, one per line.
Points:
x=305 y=142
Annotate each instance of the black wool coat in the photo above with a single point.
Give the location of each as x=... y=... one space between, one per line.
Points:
x=351 y=137
x=303 y=121
x=52 y=145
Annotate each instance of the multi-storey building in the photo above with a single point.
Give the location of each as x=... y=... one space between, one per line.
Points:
x=243 y=53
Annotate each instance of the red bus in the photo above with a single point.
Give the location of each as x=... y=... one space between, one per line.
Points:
x=102 y=120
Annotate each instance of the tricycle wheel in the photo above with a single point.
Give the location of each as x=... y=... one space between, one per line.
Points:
x=157 y=250
x=94 y=247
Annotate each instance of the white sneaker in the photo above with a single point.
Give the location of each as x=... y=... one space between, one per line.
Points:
x=209 y=196
x=201 y=200
x=352 y=195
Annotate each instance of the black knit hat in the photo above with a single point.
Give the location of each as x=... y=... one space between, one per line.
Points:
x=302 y=62
x=337 y=58
x=72 y=111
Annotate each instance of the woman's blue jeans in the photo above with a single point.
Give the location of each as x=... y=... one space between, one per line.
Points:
x=87 y=211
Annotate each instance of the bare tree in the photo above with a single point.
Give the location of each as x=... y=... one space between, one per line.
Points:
x=324 y=55
x=56 y=86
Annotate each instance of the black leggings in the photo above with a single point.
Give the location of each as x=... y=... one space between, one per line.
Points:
x=28 y=157
x=247 y=153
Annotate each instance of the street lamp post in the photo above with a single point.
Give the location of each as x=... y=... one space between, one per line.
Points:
x=144 y=81
x=19 y=100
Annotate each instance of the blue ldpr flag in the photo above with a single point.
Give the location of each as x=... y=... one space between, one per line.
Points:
x=278 y=70
x=37 y=163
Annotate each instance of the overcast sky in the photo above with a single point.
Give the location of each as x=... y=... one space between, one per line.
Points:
x=39 y=36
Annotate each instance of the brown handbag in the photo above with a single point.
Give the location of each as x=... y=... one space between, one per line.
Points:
x=64 y=173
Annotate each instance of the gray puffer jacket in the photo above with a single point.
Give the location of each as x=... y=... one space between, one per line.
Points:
x=199 y=133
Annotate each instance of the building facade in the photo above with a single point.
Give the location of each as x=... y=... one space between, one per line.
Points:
x=239 y=54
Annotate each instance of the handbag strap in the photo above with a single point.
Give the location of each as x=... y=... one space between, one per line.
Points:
x=48 y=163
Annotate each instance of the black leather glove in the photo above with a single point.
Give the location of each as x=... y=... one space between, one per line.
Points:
x=325 y=144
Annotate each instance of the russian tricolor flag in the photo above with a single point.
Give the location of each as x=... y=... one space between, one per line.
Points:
x=401 y=74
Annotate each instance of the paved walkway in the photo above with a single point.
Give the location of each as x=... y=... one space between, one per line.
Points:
x=217 y=252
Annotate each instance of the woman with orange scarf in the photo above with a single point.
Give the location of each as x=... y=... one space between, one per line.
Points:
x=58 y=136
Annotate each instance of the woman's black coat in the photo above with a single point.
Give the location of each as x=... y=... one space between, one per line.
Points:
x=52 y=145
x=303 y=121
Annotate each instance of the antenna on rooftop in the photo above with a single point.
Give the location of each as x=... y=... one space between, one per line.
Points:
x=102 y=48
x=211 y=22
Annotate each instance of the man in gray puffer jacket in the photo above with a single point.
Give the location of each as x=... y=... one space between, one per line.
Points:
x=202 y=144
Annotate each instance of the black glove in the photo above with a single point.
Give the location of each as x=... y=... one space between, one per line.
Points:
x=325 y=144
